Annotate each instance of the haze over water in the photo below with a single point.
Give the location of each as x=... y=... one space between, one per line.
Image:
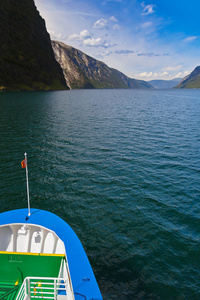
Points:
x=122 y=168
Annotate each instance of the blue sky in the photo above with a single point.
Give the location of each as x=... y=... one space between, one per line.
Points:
x=158 y=39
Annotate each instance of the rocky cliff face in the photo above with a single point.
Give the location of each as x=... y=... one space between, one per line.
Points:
x=192 y=81
x=83 y=71
x=27 y=60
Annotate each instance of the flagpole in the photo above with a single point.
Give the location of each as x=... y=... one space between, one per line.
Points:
x=29 y=210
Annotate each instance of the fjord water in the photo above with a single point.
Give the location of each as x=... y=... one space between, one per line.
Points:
x=122 y=167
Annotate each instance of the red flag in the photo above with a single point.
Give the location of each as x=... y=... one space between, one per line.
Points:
x=24 y=163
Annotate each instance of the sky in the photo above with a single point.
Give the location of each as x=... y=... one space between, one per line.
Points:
x=158 y=39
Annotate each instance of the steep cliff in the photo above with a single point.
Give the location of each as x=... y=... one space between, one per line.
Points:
x=83 y=71
x=27 y=60
x=192 y=81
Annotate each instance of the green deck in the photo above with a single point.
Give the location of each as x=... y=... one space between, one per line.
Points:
x=15 y=267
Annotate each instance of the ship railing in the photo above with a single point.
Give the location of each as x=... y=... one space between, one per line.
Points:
x=45 y=288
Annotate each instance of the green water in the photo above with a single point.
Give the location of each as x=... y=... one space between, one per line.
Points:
x=122 y=167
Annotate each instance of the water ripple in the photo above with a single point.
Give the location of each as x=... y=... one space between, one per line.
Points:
x=122 y=168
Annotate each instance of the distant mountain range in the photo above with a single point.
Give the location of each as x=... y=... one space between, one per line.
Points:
x=192 y=81
x=165 y=84
x=83 y=71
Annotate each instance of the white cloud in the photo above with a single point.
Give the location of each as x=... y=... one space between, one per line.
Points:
x=55 y=36
x=116 y=27
x=91 y=42
x=74 y=36
x=103 y=54
x=113 y=19
x=85 y=33
x=82 y=35
x=86 y=39
x=101 y=23
x=146 y=24
x=182 y=74
x=190 y=39
x=161 y=75
x=152 y=75
x=145 y=75
x=148 y=9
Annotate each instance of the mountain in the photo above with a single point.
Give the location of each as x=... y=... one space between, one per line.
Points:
x=164 y=84
x=27 y=60
x=192 y=81
x=83 y=71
